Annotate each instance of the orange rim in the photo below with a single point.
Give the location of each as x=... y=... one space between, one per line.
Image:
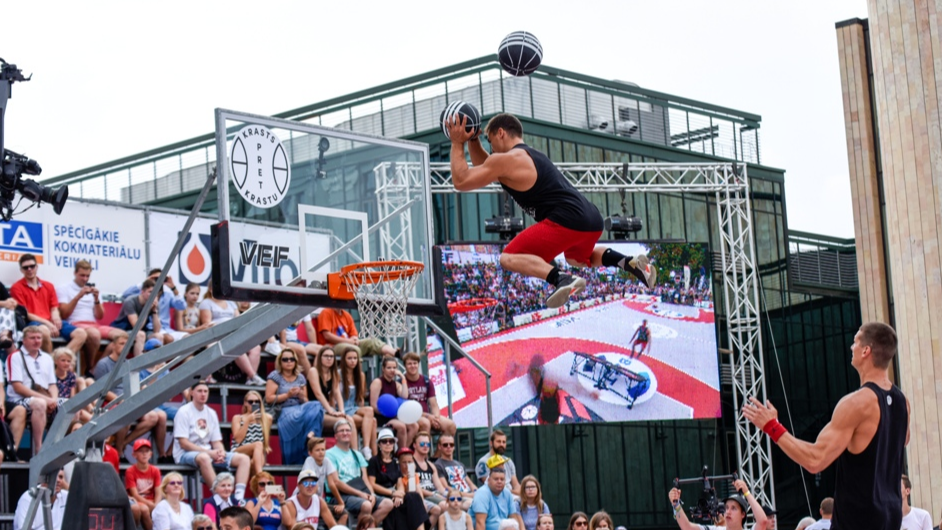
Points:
x=341 y=285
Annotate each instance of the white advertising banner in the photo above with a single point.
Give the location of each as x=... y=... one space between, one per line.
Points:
x=111 y=238
x=194 y=264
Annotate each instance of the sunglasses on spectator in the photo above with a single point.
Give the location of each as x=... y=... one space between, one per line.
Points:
x=204 y=528
x=309 y=482
x=175 y=483
x=288 y=359
x=425 y=444
x=260 y=483
x=454 y=498
x=581 y=523
x=253 y=402
x=387 y=441
x=447 y=444
x=28 y=267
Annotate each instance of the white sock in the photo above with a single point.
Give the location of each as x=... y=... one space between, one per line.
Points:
x=239 y=492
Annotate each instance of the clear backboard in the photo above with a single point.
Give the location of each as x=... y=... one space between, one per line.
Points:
x=297 y=201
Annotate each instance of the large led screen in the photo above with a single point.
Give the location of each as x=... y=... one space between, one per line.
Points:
x=618 y=351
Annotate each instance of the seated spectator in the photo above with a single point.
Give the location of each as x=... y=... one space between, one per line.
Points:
x=79 y=305
x=32 y=386
x=69 y=385
x=306 y=506
x=422 y=390
x=187 y=319
x=530 y=505
x=169 y=298
x=172 y=513
x=141 y=481
x=235 y=518
x=498 y=444
x=324 y=386
x=214 y=311
x=406 y=489
x=18 y=415
x=131 y=308
x=493 y=502
x=197 y=442
x=155 y=420
x=391 y=381
x=251 y=430
x=8 y=320
x=203 y=522
x=335 y=326
x=353 y=391
x=350 y=482
x=601 y=521
x=318 y=462
x=430 y=486
x=288 y=338
x=297 y=417
x=221 y=497
x=266 y=507
x=545 y=522
x=578 y=521
x=452 y=472
x=826 y=509
x=42 y=307
x=454 y=517
x=59 y=498
x=384 y=471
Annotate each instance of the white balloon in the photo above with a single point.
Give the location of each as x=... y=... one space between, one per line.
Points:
x=410 y=412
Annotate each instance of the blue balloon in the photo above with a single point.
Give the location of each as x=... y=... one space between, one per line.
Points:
x=388 y=405
x=400 y=401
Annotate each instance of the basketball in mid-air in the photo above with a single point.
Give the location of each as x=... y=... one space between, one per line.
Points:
x=462 y=109
x=520 y=53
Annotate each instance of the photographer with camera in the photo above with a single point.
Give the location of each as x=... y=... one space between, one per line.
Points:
x=736 y=507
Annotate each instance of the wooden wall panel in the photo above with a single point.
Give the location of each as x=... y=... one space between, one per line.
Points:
x=906 y=58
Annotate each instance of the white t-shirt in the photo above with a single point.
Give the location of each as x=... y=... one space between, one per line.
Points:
x=198 y=426
x=41 y=368
x=166 y=519
x=322 y=471
x=219 y=314
x=821 y=524
x=22 y=507
x=84 y=309
x=917 y=519
x=311 y=514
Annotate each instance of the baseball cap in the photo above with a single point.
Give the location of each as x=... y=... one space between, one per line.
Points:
x=740 y=500
x=141 y=443
x=405 y=451
x=768 y=509
x=494 y=461
x=306 y=474
x=152 y=344
x=385 y=434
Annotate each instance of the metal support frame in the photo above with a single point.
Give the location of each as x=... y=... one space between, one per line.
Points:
x=728 y=183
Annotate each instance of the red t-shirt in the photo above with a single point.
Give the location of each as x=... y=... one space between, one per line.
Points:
x=111 y=456
x=39 y=302
x=338 y=322
x=146 y=482
x=421 y=390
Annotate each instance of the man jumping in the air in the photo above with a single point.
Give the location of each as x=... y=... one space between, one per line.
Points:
x=567 y=222
x=642 y=336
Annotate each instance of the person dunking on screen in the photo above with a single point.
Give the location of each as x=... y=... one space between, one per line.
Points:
x=567 y=223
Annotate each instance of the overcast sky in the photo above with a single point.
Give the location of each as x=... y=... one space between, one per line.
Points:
x=112 y=79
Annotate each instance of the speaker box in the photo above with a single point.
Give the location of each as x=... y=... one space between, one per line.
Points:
x=97 y=499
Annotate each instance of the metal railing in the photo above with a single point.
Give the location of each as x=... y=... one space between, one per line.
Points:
x=448 y=344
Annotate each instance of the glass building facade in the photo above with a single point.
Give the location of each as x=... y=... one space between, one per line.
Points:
x=626 y=469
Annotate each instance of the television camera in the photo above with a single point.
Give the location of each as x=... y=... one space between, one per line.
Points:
x=708 y=505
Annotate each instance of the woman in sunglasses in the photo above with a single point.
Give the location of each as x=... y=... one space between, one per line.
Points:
x=251 y=430
x=172 y=513
x=531 y=504
x=298 y=417
x=454 y=517
x=578 y=521
x=203 y=522
x=266 y=506
x=384 y=471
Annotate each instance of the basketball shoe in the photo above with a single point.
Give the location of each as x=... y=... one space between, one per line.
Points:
x=641 y=264
x=567 y=286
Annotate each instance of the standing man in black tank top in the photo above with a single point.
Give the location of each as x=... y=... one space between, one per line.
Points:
x=867 y=435
x=567 y=223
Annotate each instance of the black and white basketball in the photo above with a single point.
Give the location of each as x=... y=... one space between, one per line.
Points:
x=520 y=53
x=462 y=109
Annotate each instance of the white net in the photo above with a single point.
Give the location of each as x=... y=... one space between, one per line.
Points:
x=382 y=293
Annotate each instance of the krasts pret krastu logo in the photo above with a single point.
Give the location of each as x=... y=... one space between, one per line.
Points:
x=259 y=166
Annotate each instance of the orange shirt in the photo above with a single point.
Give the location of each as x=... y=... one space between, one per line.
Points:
x=336 y=321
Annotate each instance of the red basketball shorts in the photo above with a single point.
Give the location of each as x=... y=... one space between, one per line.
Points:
x=547 y=240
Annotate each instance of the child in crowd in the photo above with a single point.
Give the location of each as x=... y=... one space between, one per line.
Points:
x=454 y=518
x=188 y=320
x=318 y=462
x=141 y=481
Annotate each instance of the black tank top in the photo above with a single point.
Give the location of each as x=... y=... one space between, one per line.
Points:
x=867 y=492
x=553 y=197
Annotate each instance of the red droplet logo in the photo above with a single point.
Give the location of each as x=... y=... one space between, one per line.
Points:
x=195 y=261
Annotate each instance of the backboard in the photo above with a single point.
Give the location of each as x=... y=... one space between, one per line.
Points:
x=297 y=201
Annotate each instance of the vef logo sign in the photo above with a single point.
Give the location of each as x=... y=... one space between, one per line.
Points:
x=259 y=166
x=195 y=261
x=20 y=237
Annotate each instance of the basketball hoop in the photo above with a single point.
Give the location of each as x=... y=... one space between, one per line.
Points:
x=381 y=289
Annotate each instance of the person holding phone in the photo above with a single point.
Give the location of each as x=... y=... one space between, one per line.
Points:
x=251 y=431
x=266 y=506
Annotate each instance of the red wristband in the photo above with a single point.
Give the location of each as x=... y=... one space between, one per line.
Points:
x=774 y=429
